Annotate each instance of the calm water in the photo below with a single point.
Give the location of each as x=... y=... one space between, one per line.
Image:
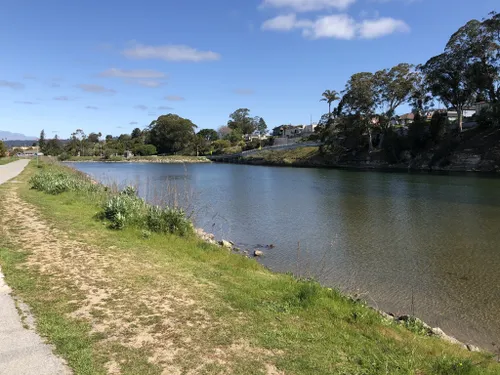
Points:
x=384 y=236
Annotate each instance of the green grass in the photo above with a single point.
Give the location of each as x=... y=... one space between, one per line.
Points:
x=301 y=156
x=257 y=318
x=7 y=160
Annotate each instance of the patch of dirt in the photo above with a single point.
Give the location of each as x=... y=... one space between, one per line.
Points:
x=159 y=316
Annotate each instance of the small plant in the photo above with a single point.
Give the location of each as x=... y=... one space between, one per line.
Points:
x=123 y=209
x=415 y=325
x=130 y=191
x=453 y=366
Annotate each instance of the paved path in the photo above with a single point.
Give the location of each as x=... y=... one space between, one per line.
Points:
x=22 y=351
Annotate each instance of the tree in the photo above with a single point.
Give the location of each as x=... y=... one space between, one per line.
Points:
x=94 y=137
x=421 y=98
x=262 y=126
x=144 y=150
x=53 y=147
x=108 y=138
x=449 y=78
x=394 y=87
x=41 y=141
x=478 y=45
x=360 y=100
x=171 y=133
x=209 y=135
x=241 y=120
x=3 y=149
x=330 y=96
x=223 y=131
x=136 y=133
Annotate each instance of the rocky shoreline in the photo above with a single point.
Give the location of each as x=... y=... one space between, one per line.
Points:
x=410 y=322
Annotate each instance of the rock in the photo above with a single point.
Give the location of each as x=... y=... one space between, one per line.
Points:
x=472 y=348
x=271 y=246
x=236 y=248
x=226 y=244
x=258 y=253
x=440 y=333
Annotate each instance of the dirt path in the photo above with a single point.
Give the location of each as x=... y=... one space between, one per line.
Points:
x=22 y=350
x=160 y=320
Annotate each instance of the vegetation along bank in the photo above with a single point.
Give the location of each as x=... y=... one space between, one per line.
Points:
x=119 y=286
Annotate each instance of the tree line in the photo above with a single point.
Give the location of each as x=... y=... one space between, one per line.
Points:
x=168 y=134
x=468 y=71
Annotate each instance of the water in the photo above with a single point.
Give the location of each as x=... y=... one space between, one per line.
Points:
x=391 y=238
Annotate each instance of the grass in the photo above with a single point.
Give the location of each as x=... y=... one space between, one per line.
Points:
x=154 y=158
x=301 y=156
x=177 y=304
x=7 y=160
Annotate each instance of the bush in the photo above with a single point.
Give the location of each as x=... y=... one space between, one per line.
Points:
x=167 y=220
x=438 y=125
x=123 y=209
x=490 y=116
x=63 y=156
x=52 y=182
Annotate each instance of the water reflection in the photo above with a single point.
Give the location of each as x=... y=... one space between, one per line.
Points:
x=421 y=243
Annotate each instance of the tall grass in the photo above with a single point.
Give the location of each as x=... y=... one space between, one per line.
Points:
x=119 y=209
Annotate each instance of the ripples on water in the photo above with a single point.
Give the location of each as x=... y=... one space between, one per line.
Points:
x=385 y=236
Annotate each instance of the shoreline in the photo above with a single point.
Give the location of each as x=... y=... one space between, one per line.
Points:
x=157 y=161
x=405 y=319
x=368 y=167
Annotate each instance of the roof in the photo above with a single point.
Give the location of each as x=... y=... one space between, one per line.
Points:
x=407 y=116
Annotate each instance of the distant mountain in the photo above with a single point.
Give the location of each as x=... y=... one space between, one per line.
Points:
x=8 y=136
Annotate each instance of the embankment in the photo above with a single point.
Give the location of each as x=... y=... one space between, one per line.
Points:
x=132 y=301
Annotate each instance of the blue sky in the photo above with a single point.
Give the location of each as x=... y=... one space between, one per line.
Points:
x=113 y=65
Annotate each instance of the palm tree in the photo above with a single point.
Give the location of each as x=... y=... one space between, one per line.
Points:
x=330 y=96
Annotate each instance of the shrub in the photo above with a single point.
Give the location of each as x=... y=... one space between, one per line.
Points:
x=123 y=209
x=167 y=220
x=489 y=116
x=438 y=125
x=53 y=182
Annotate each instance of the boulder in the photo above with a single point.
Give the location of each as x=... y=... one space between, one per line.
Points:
x=226 y=244
x=440 y=333
x=258 y=253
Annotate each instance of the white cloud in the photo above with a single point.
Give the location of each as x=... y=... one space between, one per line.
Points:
x=133 y=123
x=370 y=29
x=121 y=73
x=309 y=5
x=62 y=98
x=170 y=53
x=91 y=107
x=174 y=98
x=338 y=26
x=141 y=107
x=164 y=107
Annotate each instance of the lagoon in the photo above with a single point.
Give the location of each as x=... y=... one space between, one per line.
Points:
x=419 y=244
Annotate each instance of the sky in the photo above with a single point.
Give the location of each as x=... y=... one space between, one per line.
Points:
x=109 y=66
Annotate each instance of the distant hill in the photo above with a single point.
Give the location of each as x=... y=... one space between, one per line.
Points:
x=8 y=136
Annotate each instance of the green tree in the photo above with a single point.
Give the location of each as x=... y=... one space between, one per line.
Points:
x=360 y=100
x=209 y=135
x=109 y=138
x=136 y=133
x=94 y=137
x=241 y=120
x=450 y=78
x=330 y=96
x=171 y=133
x=3 y=149
x=394 y=87
x=421 y=99
x=477 y=43
x=54 y=147
x=41 y=141
x=262 y=126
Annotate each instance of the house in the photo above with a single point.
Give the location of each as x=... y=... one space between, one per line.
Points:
x=288 y=131
x=407 y=118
